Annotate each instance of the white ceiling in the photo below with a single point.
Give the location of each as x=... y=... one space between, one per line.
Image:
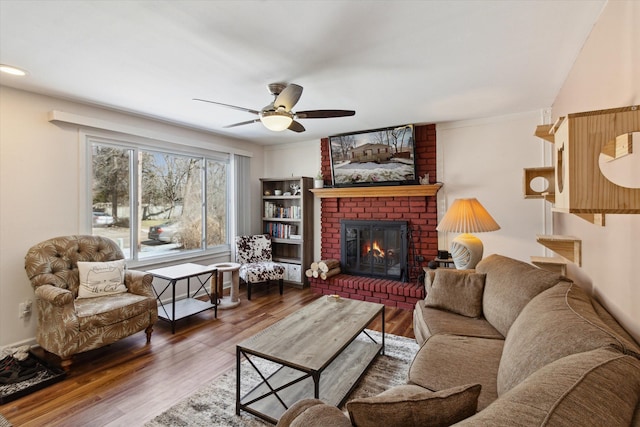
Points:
x=393 y=62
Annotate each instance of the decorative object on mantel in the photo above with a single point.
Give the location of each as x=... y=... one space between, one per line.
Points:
x=318 y=181
x=425 y=179
x=323 y=269
x=467 y=216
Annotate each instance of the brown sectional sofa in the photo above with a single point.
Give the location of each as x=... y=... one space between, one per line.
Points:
x=542 y=350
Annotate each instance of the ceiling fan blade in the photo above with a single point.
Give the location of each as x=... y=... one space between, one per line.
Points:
x=248 y=110
x=288 y=97
x=296 y=127
x=248 y=122
x=324 y=114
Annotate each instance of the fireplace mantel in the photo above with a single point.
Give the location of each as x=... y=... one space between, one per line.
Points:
x=377 y=191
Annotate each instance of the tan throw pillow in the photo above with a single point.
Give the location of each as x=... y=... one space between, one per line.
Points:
x=101 y=278
x=456 y=291
x=412 y=405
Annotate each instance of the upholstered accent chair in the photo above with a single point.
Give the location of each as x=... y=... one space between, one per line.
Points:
x=254 y=254
x=67 y=324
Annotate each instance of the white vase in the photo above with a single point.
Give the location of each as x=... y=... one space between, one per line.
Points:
x=318 y=183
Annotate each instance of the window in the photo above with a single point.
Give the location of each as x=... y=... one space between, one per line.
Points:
x=158 y=203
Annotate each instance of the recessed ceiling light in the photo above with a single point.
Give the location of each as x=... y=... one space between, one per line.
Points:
x=12 y=70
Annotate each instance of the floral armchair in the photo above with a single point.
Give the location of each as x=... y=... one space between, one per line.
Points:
x=69 y=323
x=254 y=255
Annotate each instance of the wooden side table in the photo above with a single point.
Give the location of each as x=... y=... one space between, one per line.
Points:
x=227 y=267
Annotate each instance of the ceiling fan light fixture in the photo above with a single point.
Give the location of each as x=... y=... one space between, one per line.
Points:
x=276 y=121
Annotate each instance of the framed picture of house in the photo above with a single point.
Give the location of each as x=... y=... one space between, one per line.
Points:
x=374 y=157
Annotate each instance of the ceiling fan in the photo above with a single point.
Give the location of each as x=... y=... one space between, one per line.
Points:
x=277 y=116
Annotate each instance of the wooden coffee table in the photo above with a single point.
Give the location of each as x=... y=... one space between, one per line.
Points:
x=318 y=354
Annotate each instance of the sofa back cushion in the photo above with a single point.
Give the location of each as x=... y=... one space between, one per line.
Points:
x=558 y=322
x=598 y=388
x=509 y=285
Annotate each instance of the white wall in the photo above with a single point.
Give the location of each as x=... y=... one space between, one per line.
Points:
x=40 y=185
x=485 y=159
x=606 y=74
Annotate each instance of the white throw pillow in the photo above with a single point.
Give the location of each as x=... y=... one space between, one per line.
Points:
x=101 y=278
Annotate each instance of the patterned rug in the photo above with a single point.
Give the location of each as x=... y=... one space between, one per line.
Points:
x=215 y=404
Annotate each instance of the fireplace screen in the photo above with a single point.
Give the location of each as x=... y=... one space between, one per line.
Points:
x=374 y=248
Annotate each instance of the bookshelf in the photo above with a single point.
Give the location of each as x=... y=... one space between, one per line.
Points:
x=288 y=217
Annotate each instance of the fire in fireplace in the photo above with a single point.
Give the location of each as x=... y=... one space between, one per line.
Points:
x=374 y=248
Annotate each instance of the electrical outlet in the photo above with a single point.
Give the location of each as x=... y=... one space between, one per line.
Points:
x=24 y=309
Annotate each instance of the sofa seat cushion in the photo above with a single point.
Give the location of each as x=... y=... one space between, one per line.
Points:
x=598 y=388
x=509 y=285
x=558 y=322
x=111 y=309
x=429 y=321
x=412 y=405
x=446 y=361
x=255 y=272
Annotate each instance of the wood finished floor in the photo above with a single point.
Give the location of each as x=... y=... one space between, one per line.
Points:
x=129 y=383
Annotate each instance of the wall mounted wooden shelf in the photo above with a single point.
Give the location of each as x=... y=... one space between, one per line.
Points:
x=596 y=219
x=544 y=132
x=378 y=191
x=555 y=264
x=568 y=247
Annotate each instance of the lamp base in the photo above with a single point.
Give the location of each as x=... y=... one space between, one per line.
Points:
x=466 y=251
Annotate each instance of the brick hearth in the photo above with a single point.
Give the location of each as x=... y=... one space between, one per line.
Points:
x=419 y=211
x=388 y=292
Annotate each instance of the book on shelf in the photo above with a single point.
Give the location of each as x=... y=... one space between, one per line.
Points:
x=272 y=210
x=280 y=231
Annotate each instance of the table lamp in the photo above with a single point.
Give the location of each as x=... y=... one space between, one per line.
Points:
x=467 y=216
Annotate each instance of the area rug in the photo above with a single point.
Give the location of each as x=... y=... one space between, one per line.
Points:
x=215 y=404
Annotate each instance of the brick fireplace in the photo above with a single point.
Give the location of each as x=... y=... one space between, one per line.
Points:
x=418 y=211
